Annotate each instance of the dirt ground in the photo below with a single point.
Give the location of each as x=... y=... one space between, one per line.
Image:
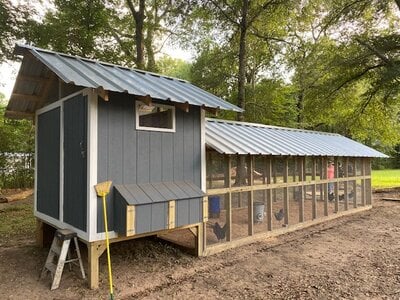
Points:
x=354 y=257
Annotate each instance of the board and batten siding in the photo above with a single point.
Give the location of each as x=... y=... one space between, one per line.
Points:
x=130 y=156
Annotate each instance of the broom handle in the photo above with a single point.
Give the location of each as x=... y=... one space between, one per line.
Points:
x=108 y=245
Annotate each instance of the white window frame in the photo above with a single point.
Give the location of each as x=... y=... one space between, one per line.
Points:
x=138 y=127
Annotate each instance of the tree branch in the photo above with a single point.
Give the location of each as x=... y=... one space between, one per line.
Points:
x=234 y=22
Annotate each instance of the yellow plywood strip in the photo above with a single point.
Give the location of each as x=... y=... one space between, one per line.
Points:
x=171 y=214
x=205 y=209
x=130 y=220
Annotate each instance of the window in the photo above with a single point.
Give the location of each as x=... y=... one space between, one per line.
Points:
x=157 y=117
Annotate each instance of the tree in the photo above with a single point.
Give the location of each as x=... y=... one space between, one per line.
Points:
x=11 y=20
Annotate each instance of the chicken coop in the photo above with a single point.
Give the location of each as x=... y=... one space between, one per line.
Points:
x=176 y=174
x=97 y=122
x=265 y=180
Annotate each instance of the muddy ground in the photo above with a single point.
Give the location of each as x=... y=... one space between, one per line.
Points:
x=354 y=257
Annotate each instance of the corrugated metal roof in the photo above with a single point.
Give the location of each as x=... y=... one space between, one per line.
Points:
x=231 y=137
x=144 y=193
x=94 y=74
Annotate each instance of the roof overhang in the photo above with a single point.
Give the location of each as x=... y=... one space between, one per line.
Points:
x=42 y=69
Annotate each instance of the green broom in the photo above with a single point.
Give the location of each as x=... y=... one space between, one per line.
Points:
x=102 y=190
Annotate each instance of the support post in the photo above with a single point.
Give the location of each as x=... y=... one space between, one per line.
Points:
x=269 y=194
x=286 y=192
x=346 y=183
x=250 y=204
x=336 y=165
x=363 y=163
x=95 y=250
x=355 y=192
x=324 y=175
x=228 y=200
x=200 y=239
x=314 y=188
x=301 y=188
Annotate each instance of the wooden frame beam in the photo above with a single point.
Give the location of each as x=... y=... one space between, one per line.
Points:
x=346 y=174
x=314 y=188
x=182 y=106
x=145 y=99
x=301 y=163
x=268 y=171
x=336 y=165
x=34 y=98
x=36 y=79
x=250 y=202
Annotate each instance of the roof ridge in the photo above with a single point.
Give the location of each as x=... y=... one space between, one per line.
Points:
x=259 y=125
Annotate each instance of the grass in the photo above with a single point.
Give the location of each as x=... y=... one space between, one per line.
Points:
x=16 y=220
x=385 y=178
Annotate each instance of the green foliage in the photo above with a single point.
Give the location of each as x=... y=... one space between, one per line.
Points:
x=177 y=68
x=16 y=151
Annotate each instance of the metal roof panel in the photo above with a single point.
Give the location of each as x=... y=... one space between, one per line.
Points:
x=231 y=137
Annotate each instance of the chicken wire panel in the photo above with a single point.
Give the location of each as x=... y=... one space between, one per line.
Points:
x=216 y=170
x=352 y=193
x=240 y=215
x=308 y=165
x=295 y=196
x=320 y=205
x=259 y=172
x=351 y=168
x=358 y=166
x=239 y=170
x=216 y=226
x=278 y=165
x=278 y=210
x=359 y=192
x=260 y=217
x=308 y=203
x=341 y=196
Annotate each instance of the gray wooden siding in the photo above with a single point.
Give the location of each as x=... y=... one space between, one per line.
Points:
x=48 y=163
x=129 y=156
x=75 y=162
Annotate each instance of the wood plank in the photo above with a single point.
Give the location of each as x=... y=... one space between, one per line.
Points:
x=346 y=190
x=286 y=192
x=26 y=97
x=205 y=209
x=277 y=185
x=362 y=182
x=324 y=171
x=314 y=188
x=19 y=114
x=130 y=220
x=36 y=79
x=228 y=202
x=269 y=193
x=171 y=214
x=301 y=189
x=336 y=184
x=250 y=204
x=182 y=106
x=391 y=199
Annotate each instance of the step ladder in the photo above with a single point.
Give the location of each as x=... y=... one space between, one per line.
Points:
x=59 y=255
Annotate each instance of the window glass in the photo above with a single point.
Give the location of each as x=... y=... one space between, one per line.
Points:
x=155 y=117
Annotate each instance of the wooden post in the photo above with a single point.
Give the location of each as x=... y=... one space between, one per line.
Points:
x=250 y=204
x=200 y=239
x=39 y=233
x=346 y=183
x=354 y=186
x=286 y=192
x=95 y=250
x=228 y=203
x=269 y=194
x=368 y=182
x=274 y=180
x=336 y=165
x=314 y=188
x=301 y=179
x=363 y=182
x=324 y=171
x=209 y=162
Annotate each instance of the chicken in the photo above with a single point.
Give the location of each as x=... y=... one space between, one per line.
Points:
x=279 y=215
x=220 y=232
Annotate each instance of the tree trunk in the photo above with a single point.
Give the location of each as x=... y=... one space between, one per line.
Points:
x=139 y=17
x=242 y=59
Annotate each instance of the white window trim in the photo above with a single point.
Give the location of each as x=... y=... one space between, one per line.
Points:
x=138 y=127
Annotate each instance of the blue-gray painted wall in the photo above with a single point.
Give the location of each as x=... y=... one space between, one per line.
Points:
x=48 y=163
x=127 y=155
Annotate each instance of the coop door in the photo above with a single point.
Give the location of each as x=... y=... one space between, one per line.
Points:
x=75 y=161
